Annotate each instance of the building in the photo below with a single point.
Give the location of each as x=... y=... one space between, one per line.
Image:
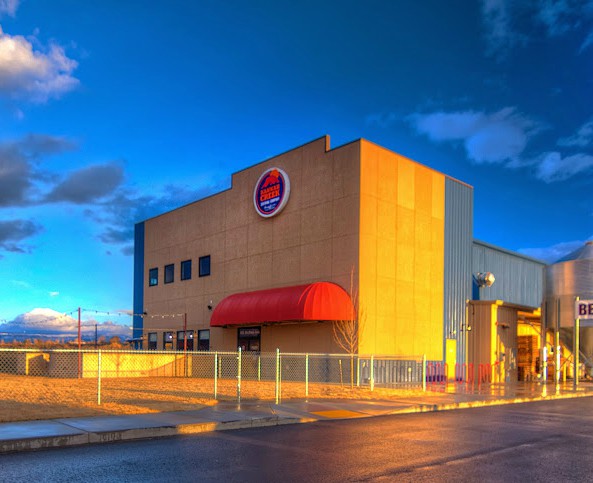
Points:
x=317 y=235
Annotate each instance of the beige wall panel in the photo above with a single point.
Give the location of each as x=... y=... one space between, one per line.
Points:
x=286 y=230
x=423 y=190
x=259 y=272
x=406 y=184
x=236 y=242
x=206 y=217
x=316 y=222
x=345 y=216
x=438 y=196
x=235 y=275
x=316 y=177
x=260 y=236
x=306 y=337
x=346 y=172
x=387 y=219
x=344 y=255
x=316 y=261
x=286 y=266
x=368 y=213
x=387 y=259
x=387 y=176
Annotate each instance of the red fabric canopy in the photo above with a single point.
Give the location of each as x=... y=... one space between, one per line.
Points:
x=315 y=301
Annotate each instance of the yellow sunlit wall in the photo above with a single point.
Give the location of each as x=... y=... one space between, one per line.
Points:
x=401 y=257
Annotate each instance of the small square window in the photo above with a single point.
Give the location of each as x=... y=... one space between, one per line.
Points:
x=169 y=273
x=153 y=277
x=186 y=270
x=205 y=266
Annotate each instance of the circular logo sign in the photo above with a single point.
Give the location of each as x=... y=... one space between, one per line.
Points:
x=271 y=192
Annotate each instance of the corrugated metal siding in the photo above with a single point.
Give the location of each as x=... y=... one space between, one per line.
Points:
x=459 y=207
x=519 y=279
x=138 y=321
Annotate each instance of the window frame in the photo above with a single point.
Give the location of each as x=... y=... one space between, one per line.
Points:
x=203 y=273
x=153 y=344
x=153 y=281
x=169 y=270
x=182 y=272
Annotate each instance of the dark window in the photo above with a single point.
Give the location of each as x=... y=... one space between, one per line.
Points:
x=190 y=340
x=249 y=339
x=153 y=277
x=186 y=270
x=203 y=340
x=152 y=338
x=205 y=266
x=169 y=273
x=167 y=340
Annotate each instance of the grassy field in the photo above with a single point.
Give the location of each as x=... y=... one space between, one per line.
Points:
x=25 y=398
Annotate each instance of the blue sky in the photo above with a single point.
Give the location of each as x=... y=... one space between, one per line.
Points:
x=112 y=112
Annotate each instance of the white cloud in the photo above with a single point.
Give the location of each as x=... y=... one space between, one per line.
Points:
x=33 y=75
x=48 y=322
x=552 y=253
x=9 y=7
x=558 y=16
x=487 y=138
x=500 y=36
x=54 y=294
x=582 y=138
x=588 y=42
x=511 y=23
x=553 y=167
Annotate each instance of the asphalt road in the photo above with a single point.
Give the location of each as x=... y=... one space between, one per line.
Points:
x=541 y=441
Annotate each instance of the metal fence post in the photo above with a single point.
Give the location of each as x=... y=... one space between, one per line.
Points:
x=372 y=381
x=215 y=374
x=99 y=378
x=424 y=372
x=306 y=375
x=259 y=368
x=357 y=371
x=239 y=376
x=277 y=376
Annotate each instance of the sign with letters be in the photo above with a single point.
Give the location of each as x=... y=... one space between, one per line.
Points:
x=583 y=309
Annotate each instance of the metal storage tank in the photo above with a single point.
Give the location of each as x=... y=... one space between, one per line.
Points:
x=564 y=280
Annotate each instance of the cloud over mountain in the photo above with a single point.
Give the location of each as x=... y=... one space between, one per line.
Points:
x=44 y=322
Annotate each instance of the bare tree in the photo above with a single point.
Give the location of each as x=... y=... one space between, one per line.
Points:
x=347 y=333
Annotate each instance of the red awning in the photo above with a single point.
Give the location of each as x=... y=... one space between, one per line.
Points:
x=315 y=301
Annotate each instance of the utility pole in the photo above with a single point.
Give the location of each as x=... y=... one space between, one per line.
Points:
x=79 y=346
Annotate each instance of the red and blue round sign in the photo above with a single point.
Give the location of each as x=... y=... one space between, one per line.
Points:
x=271 y=192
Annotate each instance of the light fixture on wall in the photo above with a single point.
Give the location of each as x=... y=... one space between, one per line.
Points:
x=484 y=279
x=210 y=305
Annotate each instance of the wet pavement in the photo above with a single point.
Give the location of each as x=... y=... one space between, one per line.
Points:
x=32 y=435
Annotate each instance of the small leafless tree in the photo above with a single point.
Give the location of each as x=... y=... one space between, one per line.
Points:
x=347 y=333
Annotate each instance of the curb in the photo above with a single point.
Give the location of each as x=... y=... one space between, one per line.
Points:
x=136 y=434
x=426 y=408
x=90 y=437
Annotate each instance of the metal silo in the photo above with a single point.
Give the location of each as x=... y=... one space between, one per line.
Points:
x=564 y=280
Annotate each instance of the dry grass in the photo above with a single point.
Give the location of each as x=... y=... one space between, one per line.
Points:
x=29 y=398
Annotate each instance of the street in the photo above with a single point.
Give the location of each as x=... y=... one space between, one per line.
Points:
x=541 y=441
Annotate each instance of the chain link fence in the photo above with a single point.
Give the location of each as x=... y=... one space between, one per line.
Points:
x=42 y=384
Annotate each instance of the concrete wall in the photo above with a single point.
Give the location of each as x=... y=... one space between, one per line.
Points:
x=315 y=238
x=402 y=212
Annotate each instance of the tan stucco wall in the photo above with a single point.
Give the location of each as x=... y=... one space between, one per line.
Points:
x=315 y=238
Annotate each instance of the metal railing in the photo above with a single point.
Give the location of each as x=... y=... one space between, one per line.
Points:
x=58 y=381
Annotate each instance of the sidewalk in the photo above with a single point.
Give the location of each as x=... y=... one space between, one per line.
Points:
x=31 y=435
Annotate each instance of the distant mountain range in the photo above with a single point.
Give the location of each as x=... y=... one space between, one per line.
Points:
x=47 y=324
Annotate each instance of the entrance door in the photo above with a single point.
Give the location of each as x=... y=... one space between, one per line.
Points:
x=249 y=339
